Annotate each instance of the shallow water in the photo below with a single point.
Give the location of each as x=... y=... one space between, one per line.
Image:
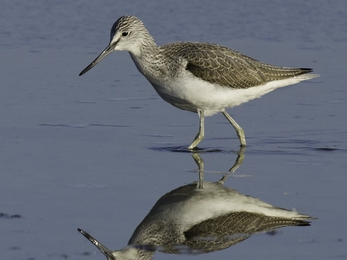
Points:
x=96 y=152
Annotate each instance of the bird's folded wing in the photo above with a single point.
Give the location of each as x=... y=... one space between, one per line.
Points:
x=226 y=67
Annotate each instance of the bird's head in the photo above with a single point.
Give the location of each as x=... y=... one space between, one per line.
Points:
x=127 y=34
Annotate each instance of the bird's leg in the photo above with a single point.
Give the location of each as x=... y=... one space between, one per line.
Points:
x=200 y=135
x=239 y=130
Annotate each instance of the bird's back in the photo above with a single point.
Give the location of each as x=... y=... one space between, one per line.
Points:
x=226 y=67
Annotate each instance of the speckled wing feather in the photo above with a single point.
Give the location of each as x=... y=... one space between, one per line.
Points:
x=224 y=231
x=226 y=67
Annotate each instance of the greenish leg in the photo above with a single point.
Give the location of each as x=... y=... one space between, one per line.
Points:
x=239 y=159
x=200 y=135
x=200 y=163
x=239 y=130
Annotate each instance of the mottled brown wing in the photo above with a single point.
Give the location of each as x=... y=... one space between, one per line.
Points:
x=226 y=67
x=224 y=231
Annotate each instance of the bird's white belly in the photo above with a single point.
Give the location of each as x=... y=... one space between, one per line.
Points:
x=191 y=93
x=213 y=201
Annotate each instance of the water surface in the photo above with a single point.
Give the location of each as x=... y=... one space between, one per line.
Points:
x=96 y=152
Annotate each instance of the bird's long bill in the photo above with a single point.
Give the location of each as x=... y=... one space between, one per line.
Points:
x=102 y=55
x=107 y=252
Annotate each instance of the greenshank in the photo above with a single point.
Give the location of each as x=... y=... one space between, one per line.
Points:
x=196 y=220
x=199 y=77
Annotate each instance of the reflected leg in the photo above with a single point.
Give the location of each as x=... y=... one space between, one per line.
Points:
x=200 y=163
x=239 y=159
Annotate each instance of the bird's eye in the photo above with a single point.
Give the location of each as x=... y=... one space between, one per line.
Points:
x=125 y=34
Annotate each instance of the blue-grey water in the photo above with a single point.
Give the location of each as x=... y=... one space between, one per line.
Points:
x=96 y=152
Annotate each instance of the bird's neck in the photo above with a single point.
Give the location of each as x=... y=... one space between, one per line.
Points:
x=148 y=60
x=132 y=253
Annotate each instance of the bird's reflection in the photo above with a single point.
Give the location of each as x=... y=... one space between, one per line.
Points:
x=201 y=217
